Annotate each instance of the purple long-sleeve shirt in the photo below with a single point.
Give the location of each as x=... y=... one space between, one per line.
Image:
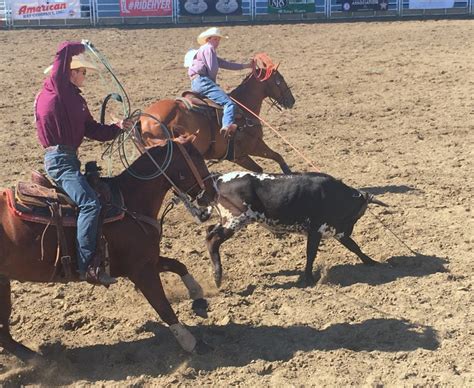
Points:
x=62 y=115
x=207 y=63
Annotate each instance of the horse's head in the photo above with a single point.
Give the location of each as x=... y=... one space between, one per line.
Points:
x=276 y=88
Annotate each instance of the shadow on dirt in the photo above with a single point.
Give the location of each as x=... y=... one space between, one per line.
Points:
x=394 y=268
x=234 y=345
x=396 y=189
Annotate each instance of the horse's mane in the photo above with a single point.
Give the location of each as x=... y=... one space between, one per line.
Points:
x=243 y=83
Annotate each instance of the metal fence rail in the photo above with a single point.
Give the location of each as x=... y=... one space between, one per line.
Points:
x=108 y=12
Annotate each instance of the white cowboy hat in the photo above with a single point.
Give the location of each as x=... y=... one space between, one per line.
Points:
x=77 y=62
x=213 y=31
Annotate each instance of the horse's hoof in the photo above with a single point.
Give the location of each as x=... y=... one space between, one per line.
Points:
x=205 y=214
x=25 y=354
x=200 y=307
x=202 y=348
x=286 y=170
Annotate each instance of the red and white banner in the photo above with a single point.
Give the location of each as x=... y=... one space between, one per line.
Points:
x=430 y=4
x=146 y=7
x=45 y=9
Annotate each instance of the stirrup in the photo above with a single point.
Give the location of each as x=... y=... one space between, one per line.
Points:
x=96 y=276
x=228 y=131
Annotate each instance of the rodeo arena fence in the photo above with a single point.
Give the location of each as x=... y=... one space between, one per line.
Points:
x=48 y=13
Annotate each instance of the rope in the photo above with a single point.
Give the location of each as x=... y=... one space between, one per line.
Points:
x=318 y=170
x=393 y=234
x=278 y=133
x=263 y=67
x=102 y=59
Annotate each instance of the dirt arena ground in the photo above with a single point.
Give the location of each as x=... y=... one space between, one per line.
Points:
x=385 y=106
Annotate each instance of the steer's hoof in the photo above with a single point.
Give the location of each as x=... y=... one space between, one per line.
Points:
x=200 y=307
x=309 y=280
x=202 y=348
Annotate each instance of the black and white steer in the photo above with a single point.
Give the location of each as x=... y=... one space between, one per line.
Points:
x=314 y=204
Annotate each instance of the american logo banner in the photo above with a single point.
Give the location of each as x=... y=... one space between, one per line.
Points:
x=45 y=9
x=146 y=7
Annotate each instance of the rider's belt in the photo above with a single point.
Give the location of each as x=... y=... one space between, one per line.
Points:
x=61 y=148
x=193 y=77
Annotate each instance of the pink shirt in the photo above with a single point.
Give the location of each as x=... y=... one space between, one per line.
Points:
x=61 y=113
x=207 y=63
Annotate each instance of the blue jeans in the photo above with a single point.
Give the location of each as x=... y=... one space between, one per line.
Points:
x=65 y=169
x=211 y=90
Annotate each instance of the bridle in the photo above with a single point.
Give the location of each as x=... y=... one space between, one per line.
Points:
x=282 y=102
x=197 y=176
x=186 y=197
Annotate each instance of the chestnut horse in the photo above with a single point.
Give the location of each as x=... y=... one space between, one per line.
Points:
x=176 y=116
x=133 y=245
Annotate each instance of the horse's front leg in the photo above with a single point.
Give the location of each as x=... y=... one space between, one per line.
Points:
x=216 y=235
x=149 y=283
x=195 y=291
x=6 y=340
x=261 y=149
x=248 y=163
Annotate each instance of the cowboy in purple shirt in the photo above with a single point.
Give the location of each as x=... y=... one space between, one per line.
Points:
x=203 y=74
x=62 y=121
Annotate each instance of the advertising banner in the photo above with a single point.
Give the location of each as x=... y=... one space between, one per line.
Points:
x=363 y=5
x=146 y=8
x=45 y=9
x=210 y=7
x=290 y=6
x=430 y=4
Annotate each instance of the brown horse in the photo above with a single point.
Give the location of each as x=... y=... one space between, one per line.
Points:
x=27 y=250
x=177 y=116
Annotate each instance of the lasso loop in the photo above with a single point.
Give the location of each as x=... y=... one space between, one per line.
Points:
x=98 y=57
x=134 y=134
x=263 y=67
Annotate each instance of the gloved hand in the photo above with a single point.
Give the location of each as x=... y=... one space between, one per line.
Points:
x=126 y=124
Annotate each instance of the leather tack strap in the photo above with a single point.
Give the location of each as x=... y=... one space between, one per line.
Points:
x=191 y=165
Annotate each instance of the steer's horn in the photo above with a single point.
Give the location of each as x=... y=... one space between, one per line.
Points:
x=372 y=199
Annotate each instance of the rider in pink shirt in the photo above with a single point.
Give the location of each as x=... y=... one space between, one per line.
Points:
x=203 y=74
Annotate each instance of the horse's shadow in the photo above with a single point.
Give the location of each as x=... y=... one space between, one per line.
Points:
x=394 y=268
x=234 y=345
